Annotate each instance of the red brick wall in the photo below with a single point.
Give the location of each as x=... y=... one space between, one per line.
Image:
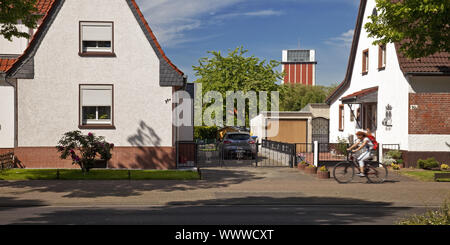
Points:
x=432 y=115
x=4 y=151
x=123 y=157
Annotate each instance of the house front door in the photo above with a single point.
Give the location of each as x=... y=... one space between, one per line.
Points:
x=6 y=117
x=370 y=117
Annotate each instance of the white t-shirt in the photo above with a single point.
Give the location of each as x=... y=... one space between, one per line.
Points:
x=368 y=146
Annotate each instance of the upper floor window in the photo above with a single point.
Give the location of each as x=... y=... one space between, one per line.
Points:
x=382 y=57
x=365 y=62
x=96 y=38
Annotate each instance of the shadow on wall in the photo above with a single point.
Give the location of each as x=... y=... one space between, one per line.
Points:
x=145 y=152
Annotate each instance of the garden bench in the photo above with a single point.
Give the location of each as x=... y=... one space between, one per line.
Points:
x=441 y=176
x=7 y=161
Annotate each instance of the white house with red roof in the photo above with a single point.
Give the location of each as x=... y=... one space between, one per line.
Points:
x=94 y=66
x=402 y=101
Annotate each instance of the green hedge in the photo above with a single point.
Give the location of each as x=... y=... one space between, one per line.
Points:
x=428 y=163
x=205 y=133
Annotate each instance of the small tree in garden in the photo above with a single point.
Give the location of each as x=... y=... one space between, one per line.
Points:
x=84 y=149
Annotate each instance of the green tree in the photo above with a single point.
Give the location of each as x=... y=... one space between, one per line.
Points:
x=236 y=72
x=294 y=97
x=13 y=12
x=421 y=26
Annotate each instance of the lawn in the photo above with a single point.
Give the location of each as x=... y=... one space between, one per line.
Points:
x=103 y=174
x=423 y=175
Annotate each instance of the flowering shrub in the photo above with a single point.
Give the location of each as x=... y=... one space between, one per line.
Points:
x=84 y=149
x=444 y=167
x=311 y=166
x=323 y=169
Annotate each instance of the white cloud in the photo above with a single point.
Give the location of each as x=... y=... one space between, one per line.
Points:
x=260 y=13
x=171 y=19
x=343 y=40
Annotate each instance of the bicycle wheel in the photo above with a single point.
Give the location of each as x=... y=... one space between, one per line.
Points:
x=377 y=174
x=344 y=172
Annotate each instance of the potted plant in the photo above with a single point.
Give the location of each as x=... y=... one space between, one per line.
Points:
x=323 y=173
x=395 y=166
x=311 y=169
x=302 y=165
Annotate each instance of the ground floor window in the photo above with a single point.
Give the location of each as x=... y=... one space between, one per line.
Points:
x=96 y=105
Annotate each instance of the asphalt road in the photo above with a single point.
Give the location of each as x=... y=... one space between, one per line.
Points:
x=208 y=215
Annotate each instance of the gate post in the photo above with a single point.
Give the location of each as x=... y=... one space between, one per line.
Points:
x=316 y=153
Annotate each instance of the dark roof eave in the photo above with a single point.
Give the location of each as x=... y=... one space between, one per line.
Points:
x=427 y=74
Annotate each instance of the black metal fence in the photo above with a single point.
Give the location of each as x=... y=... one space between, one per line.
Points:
x=276 y=154
x=279 y=154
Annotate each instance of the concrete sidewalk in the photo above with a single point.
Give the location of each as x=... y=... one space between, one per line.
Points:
x=226 y=186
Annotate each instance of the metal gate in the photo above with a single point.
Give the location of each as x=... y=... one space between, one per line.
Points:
x=268 y=154
x=321 y=132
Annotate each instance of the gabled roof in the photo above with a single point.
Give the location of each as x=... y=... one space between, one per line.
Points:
x=170 y=75
x=437 y=64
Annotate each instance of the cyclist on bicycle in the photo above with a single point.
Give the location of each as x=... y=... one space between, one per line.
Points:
x=365 y=145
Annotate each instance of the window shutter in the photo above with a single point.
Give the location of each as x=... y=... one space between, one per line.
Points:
x=341 y=117
x=96 y=96
x=364 y=62
x=380 y=57
x=96 y=32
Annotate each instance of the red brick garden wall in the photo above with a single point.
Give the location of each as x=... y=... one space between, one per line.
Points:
x=432 y=115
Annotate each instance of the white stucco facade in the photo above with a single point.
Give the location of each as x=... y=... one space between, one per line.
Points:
x=393 y=90
x=6 y=116
x=17 y=45
x=49 y=103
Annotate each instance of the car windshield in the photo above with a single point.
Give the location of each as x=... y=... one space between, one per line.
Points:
x=238 y=136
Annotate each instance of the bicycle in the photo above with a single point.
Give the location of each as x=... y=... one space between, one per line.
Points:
x=344 y=172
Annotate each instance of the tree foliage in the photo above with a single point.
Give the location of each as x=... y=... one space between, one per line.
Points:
x=421 y=26
x=13 y=12
x=236 y=72
x=294 y=97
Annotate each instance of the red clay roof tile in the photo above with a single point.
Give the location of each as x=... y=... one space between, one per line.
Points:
x=436 y=63
x=6 y=63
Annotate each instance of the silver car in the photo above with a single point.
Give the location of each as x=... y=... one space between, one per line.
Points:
x=237 y=145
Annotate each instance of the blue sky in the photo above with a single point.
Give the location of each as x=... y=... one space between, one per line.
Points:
x=187 y=29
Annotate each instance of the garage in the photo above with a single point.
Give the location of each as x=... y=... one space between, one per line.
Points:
x=290 y=131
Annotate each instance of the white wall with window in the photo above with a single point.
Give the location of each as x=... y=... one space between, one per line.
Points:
x=392 y=91
x=52 y=98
